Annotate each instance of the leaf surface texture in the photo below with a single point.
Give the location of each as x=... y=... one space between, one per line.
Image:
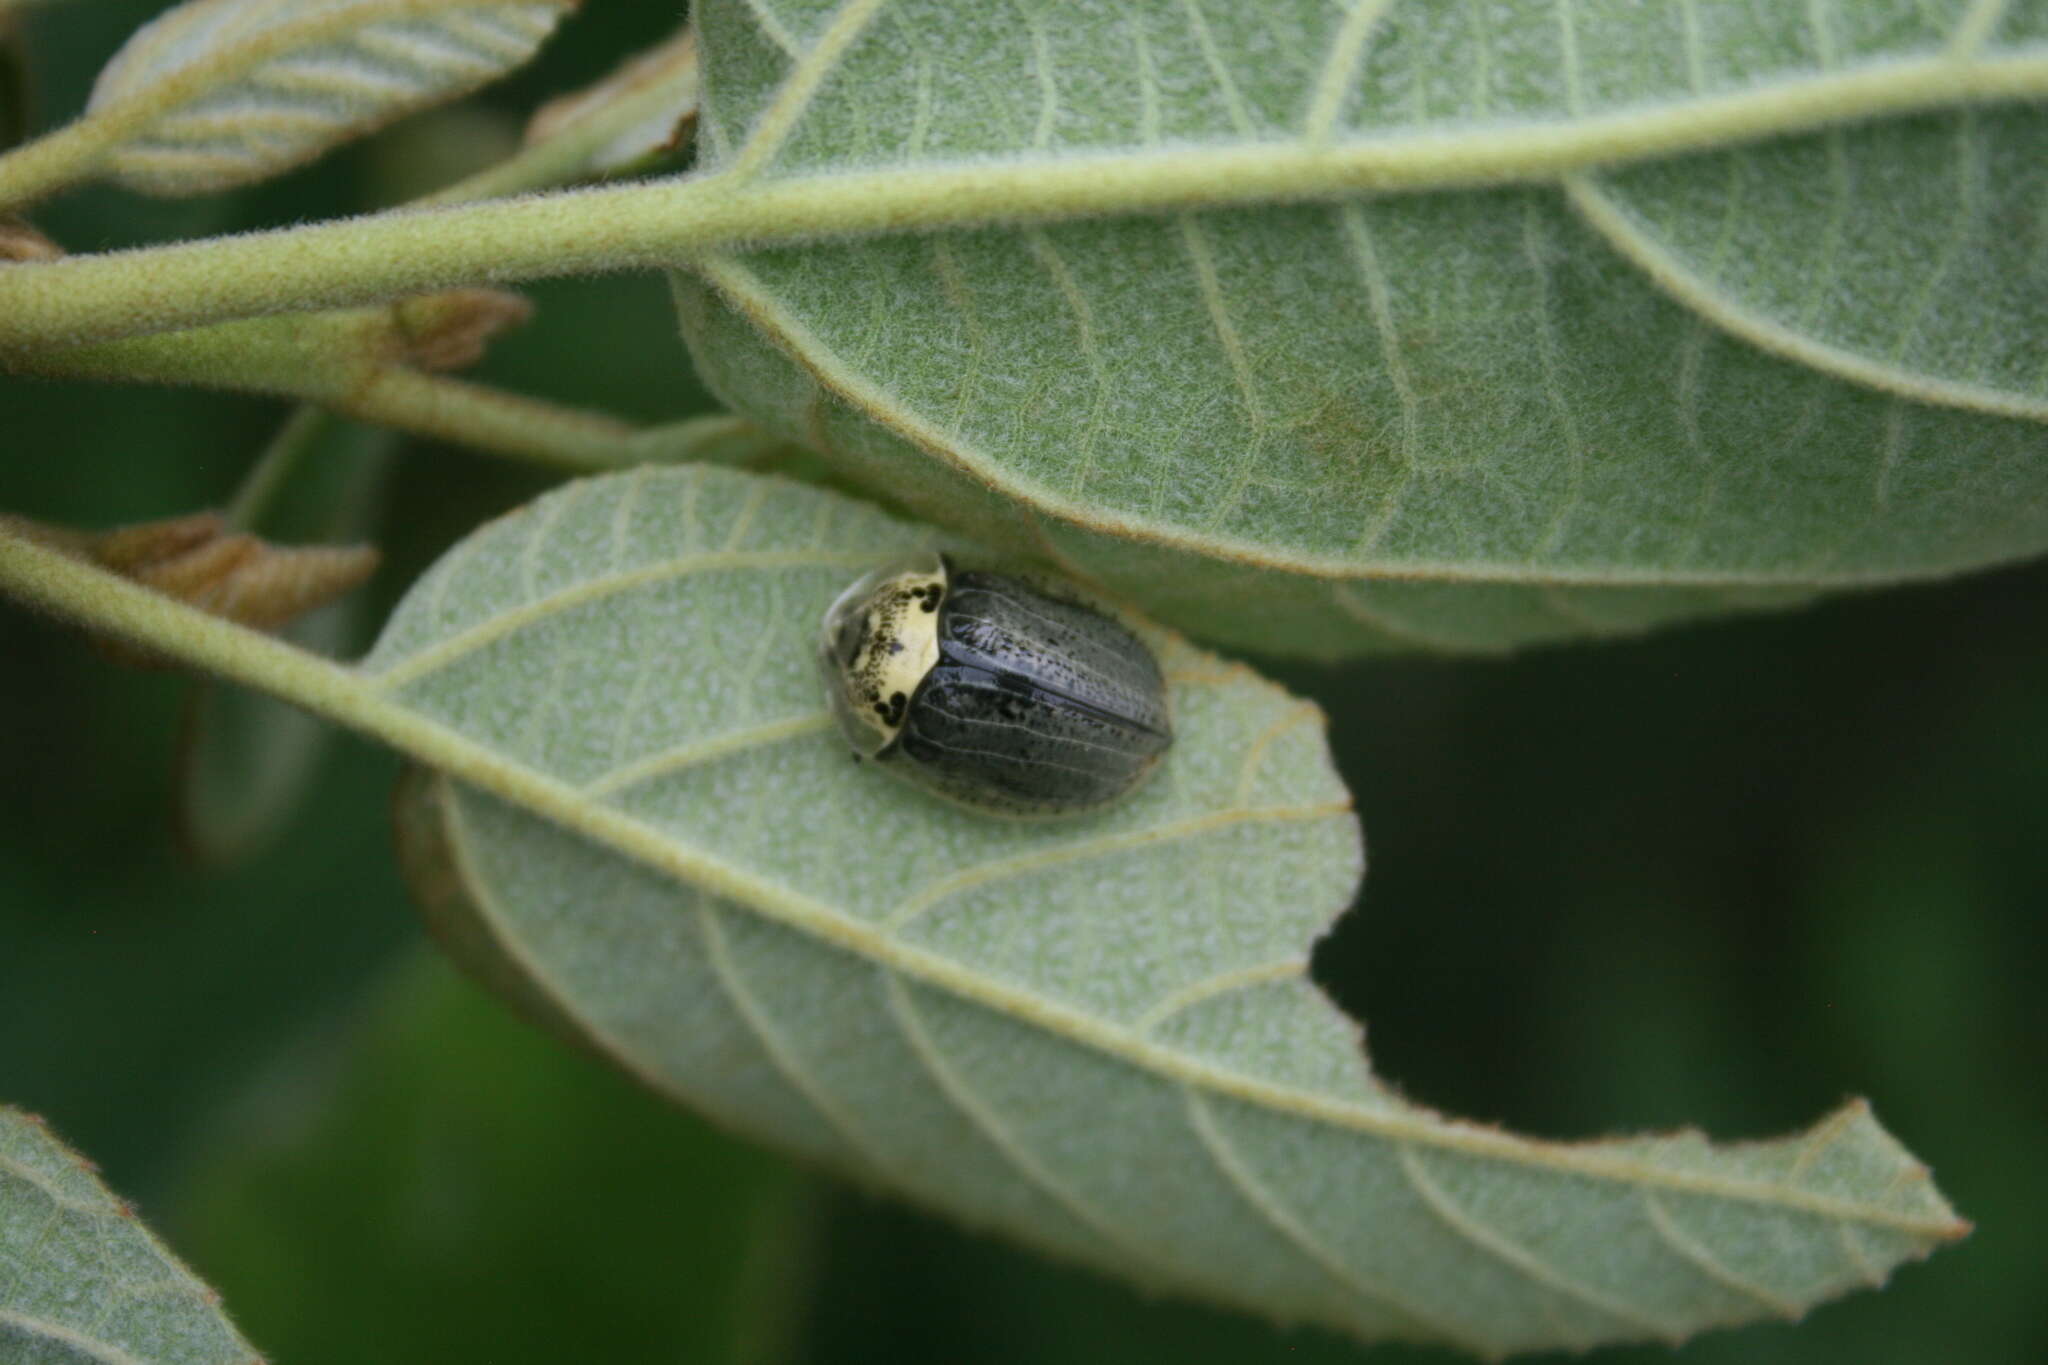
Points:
x=1095 y=1035
x=82 y=1280
x=1592 y=367
x=218 y=93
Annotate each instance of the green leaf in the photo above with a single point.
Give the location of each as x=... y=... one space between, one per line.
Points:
x=218 y=93
x=641 y=111
x=1621 y=392
x=1096 y=1036
x=81 y=1280
x=1904 y=256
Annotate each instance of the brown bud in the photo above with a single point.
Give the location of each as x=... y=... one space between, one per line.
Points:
x=200 y=561
x=449 y=330
x=259 y=584
x=21 y=242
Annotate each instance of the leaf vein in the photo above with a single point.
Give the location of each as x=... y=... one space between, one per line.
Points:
x=1568 y=46
x=800 y=87
x=77 y=1341
x=1340 y=68
x=1978 y=23
x=1703 y=1260
x=1042 y=70
x=432 y=658
x=718 y=954
x=1303 y=713
x=1698 y=291
x=984 y=1119
x=1224 y=1155
x=773 y=28
x=11 y=1167
x=1196 y=244
x=1212 y=57
x=1365 y=256
x=864 y=395
x=1690 y=40
x=1047 y=255
x=1066 y=855
x=673 y=760
x=1535 y=249
x=1520 y=1259
x=466 y=761
x=1184 y=998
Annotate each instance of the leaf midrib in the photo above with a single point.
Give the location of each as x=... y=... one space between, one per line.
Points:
x=563 y=805
x=348 y=696
x=676 y=222
x=1263 y=168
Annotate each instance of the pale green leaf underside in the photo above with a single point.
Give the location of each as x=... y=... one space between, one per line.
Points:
x=1911 y=256
x=1616 y=398
x=1094 y=1035
x=82 y=1282
x=217 y=93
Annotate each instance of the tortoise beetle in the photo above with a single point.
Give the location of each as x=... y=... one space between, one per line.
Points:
x=990 y=691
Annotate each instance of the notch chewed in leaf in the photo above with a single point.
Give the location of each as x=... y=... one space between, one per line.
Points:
x=1096 y=1036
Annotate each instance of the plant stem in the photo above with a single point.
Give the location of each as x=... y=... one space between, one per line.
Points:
x=564 y=438
x=331 y=359
x=668 y=223
x=107 y=603
x=40 y=168
x=716 y=438
x=568 y=153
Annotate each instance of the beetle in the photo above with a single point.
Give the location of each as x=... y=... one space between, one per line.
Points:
x=992 y=690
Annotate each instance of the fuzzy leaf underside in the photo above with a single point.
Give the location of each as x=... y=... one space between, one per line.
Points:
x=1457 y=418
x=219 y=93
x=1093 y=1035
x=82 y=1281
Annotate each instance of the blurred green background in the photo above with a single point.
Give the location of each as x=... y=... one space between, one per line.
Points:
x=1725 y=876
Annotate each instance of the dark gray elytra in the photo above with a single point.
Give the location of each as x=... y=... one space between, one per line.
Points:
x=993 y=690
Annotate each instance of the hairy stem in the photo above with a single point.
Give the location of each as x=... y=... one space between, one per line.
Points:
x=109 y=604
x=52 y=162
x=564 y=438
x=669 y=223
